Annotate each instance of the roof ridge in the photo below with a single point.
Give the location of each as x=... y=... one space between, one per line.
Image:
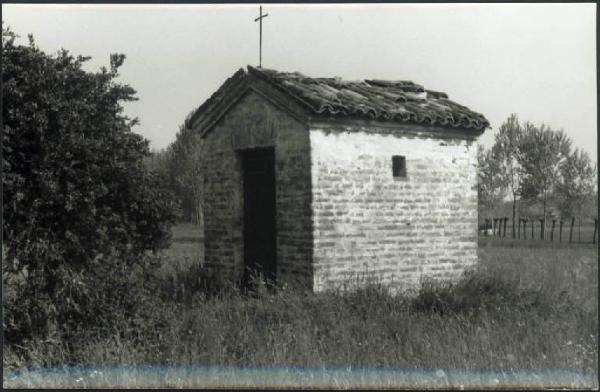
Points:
x=269 y=78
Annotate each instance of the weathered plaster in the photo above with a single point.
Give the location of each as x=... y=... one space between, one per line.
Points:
x=394 y=230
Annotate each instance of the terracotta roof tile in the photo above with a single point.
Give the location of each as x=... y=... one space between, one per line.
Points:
x=398 y=100
x=387 y=100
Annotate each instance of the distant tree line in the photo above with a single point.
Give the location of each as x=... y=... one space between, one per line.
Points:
x=537 y=166
x=180 y=164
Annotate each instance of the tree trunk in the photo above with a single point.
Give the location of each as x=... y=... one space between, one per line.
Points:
x=571 y=231
x=560 y=231
x=544 y=222
x=514 y=215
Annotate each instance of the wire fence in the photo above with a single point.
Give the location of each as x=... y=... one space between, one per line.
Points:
x=568 y=230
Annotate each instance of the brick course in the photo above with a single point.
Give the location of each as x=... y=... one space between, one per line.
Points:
x=254 y=122
x=392 y=230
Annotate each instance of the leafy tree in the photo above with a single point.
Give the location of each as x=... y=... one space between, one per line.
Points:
x=491 y=181
x=544 y=151
x=79 y=208
x=505 y=152
x=156 y=161
x=184 y=167
x=576 y=184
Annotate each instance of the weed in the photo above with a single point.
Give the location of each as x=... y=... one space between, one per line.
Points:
x=521 y=309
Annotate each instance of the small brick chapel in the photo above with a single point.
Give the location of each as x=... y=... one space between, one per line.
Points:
x=326 y=182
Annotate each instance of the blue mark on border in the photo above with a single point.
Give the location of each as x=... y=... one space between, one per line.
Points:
x=312 y=376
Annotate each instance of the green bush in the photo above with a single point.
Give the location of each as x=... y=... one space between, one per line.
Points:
x=80 y=211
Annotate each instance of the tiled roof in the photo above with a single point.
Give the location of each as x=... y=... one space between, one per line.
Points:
x=384 y=100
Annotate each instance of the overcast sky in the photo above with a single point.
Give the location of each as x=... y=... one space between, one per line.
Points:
x=536 y=60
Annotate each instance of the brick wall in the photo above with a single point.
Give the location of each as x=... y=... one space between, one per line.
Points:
x=254 y=122
x=393 y=230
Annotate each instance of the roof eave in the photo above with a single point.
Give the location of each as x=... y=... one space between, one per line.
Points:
x=365 y=121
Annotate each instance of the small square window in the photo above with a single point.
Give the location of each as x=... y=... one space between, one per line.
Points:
x=399 y=166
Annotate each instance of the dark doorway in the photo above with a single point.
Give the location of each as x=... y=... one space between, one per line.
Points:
x=258 y=167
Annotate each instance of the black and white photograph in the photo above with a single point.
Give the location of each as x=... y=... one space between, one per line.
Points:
x=300 y=196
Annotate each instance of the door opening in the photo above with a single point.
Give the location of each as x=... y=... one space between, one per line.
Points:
x=258 y=166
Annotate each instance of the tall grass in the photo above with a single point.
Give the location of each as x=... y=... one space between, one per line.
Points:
x=522 y=309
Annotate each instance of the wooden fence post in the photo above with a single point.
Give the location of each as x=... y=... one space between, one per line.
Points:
x=505 y=220
x=519 y=235
x=524 y=229
x=560 y=230
x=552 y=230
x=595 y=229
x=571 y=231
x=541 y=229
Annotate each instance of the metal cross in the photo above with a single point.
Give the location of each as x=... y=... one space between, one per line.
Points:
x=259 y=19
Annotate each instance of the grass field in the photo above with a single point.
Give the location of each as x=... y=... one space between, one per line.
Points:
x=529 y=306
